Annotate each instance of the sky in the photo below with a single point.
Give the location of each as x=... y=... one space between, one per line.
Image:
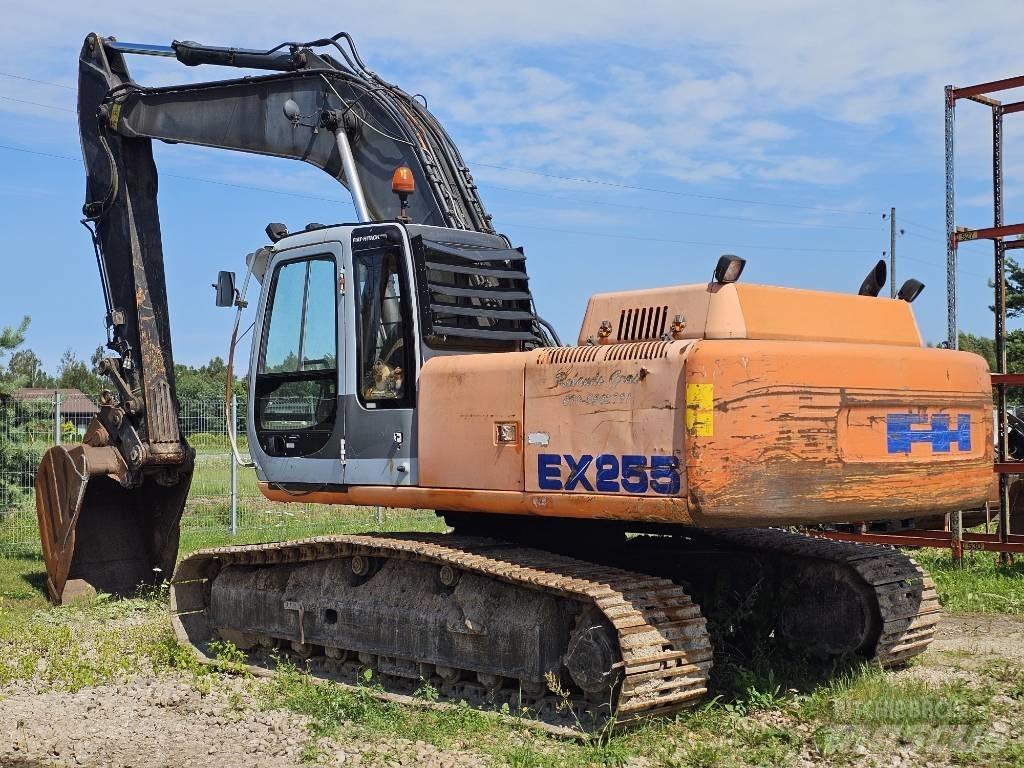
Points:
x=623 y=145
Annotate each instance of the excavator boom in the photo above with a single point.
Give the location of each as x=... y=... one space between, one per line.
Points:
x=109 y=509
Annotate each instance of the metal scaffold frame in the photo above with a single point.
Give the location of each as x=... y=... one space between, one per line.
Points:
x=1004 y=542
x=996 y=233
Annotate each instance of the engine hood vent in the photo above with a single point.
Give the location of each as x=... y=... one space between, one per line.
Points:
x=642 y=323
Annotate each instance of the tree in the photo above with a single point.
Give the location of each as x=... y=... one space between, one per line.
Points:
x=986 y=347
x=17 y=450
x=979 y=345
x=26 y=368
x=1014 y=289
x=10 y=339
x=201 y=395
x=75 y=374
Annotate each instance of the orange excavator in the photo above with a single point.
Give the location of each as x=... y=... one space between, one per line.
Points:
x=606 y=498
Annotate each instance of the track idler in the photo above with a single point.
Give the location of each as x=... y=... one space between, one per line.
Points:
x=103 y=528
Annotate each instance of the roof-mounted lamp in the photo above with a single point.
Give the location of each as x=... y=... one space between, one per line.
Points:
x=910 y=290
x=729 y=268
x=403 y=184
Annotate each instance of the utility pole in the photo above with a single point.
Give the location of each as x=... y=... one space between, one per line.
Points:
x=892 y=253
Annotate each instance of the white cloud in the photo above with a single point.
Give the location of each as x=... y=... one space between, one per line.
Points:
x=811 y=170
x=700 y=93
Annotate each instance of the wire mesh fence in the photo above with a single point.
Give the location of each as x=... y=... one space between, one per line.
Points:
x=224 y=503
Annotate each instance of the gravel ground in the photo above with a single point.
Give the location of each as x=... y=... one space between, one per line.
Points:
x=152 y=722
x=984 y=636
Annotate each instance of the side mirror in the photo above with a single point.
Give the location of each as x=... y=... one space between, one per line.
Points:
x=225 y=287
x=875 y=280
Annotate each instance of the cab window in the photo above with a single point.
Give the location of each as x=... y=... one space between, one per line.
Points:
x=296 y=380
x=383 y=346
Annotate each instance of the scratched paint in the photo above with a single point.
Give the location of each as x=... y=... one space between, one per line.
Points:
x=801 y=436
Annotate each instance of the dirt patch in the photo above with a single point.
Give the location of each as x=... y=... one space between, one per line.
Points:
x=167 y=722
x=982 y=635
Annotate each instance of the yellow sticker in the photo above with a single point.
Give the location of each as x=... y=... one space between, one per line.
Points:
x=700 y=409
x=115 y=115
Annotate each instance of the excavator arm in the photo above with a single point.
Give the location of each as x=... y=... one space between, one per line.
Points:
x=109 y=509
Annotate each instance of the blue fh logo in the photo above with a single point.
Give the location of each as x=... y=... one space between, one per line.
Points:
x=901 y=434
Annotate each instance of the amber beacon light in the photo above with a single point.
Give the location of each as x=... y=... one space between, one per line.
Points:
x=403 y=184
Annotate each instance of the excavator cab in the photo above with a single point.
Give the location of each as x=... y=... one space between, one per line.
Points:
x=347 y=316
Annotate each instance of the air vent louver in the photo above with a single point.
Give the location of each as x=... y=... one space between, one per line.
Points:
x=563 y=355
x=642 y=323
x=645 y=350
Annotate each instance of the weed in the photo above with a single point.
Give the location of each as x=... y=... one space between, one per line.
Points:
x=426 y=691
x=766 y=746
x=704 y=755
x=229 y=656
x=758 y=691
x=1009 y=675
x=834 y=744
x=526 y=753
x=982 y=585
x=1016 y=690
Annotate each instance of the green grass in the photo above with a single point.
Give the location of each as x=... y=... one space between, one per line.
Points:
x=862 y=709
x=84 y=645
x=354 y=715
x=766 y=708
x=22 y=587
x=759 y=715
x=982 y=585
x=282 y=525
x=872 y=697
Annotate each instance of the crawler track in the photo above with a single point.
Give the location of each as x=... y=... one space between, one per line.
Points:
x=908 y=605
x=659 y=651
x=819 y=597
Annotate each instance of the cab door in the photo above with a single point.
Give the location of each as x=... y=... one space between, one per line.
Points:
x=295 y=419
x=379 y=398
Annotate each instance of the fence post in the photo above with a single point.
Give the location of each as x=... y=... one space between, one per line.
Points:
x=56 y=417
x=957 y=539
x=234 y=466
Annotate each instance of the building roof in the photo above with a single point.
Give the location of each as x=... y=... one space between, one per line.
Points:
x=72 y=401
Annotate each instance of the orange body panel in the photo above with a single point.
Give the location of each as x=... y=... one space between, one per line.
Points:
x=750 y=423
x=739 y=311
x=462 y=400
x=673 y=509
x=799 y=432
x=799 y=315
x=614 y=400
